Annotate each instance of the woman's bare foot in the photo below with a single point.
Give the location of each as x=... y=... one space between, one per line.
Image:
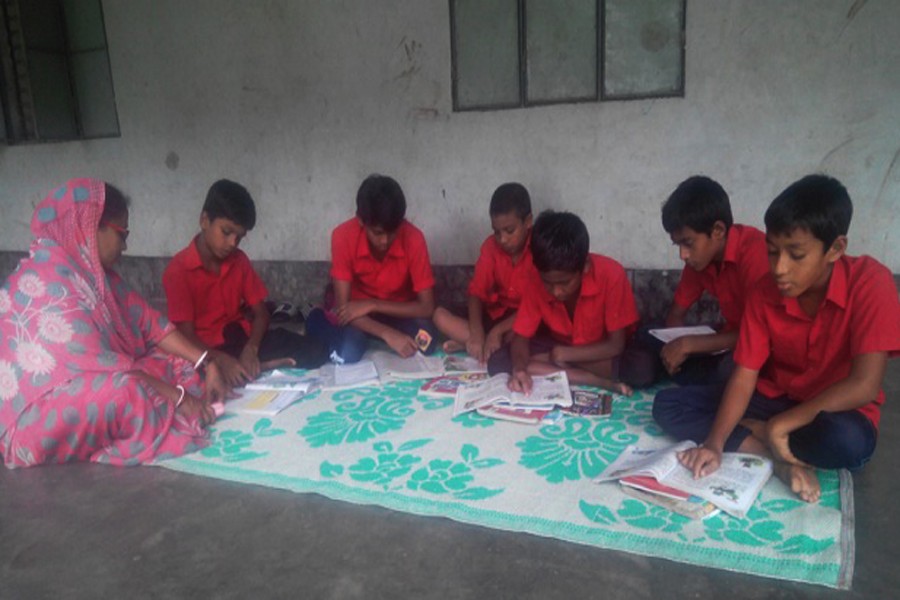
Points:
x=802 y=481
x=451 y=346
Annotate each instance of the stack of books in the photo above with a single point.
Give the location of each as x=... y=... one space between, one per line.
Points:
x=493 y=398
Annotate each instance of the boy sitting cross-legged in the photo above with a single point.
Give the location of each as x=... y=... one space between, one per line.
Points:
x=811 y=354
x=720 y=257
x=382 y=278
x=211 y=287
x=501 y=274
x=575 y=313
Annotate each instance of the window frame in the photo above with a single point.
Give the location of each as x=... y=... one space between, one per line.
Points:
x=600 y=94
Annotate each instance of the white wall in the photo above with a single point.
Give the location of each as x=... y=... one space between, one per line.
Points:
x=300 y=100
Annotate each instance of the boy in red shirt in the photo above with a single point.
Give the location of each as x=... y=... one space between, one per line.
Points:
x=813 y=348
x=501 y=274
x=582 y=301
x=382 y=278
x=211 y=285
x=721 y=258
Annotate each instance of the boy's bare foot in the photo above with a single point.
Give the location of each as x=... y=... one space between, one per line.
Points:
x=802 y=481
x=451 y=346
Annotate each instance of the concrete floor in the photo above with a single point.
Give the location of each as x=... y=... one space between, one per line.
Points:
x=89 y=531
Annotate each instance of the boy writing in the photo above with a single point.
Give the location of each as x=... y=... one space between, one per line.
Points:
x=382 y=279
x=812 y=352
x=501 y=274
x=720 y=257
x=210 y=286
x=583 y=301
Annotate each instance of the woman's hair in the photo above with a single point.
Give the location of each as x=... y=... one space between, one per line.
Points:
x=115 y=204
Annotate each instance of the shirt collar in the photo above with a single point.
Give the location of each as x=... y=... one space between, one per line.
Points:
x=193 y=260
x=732 y=244
x=395 y=250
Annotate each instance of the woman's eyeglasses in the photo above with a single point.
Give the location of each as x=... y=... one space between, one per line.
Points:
x=123 y=233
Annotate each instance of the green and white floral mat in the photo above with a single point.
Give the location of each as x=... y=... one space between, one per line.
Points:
x=393 y=447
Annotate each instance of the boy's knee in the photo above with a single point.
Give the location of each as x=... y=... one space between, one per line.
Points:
x=666 y=404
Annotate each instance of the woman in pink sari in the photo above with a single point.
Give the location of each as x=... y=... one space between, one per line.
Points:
x=88 y=370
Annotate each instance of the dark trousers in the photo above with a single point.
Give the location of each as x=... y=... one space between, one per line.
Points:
x=347 y=344
x=307 y=352
x=501 y=360
x=641 y=365
x=836 y=440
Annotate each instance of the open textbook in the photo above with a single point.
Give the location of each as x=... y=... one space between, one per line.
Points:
x=548 y=392
x=339 y=377
x=733 y=487
x=419 y=366
x=668 y=334
x=298 y=380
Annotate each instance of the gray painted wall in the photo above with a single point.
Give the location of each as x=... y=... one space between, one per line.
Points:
x=299 y=100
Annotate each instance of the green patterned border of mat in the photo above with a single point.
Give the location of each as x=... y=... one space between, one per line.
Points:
x=393 y=447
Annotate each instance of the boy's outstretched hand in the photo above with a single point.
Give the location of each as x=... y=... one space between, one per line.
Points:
x=233 y=371
x=401 y=343
x=701 y=461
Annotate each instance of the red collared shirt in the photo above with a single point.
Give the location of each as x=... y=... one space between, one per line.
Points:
x=404 y=272
x=208 y=300
x=497 y=282
x=802 y=356
x=744 y=264
x=605 y=303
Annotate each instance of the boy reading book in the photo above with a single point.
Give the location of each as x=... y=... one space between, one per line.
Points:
x=720 y=257
x=501 y=273
x=211 y=288
x=382 y=278
x=575 y=313
x=813 y=347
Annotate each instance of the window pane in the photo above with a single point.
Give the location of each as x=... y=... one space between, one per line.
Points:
x=485 y=53
x=643 y=48
x=42 y=25
x=84 y=25
x=94 y=91
x=53 y=106
x=561 y=50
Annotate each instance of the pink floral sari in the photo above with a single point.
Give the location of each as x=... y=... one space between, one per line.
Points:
x=69 y=333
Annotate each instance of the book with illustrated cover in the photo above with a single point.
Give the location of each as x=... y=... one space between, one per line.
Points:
x=448 y=384
x=525 y=414
x=548 y=392
x=733 y=487
x=693 y=507
x=589 y=403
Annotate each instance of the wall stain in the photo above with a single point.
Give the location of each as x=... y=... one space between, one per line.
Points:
x=172 y=160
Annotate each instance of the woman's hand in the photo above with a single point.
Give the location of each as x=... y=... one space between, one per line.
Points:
x=217 y=388
x=192 y=407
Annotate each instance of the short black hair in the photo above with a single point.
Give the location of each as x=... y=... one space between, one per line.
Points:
x=115 y=204
x=380 y=202
x=559 y=242
x=511 y=197
x=817 y=203
x=698 y=202
x=229 y=200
